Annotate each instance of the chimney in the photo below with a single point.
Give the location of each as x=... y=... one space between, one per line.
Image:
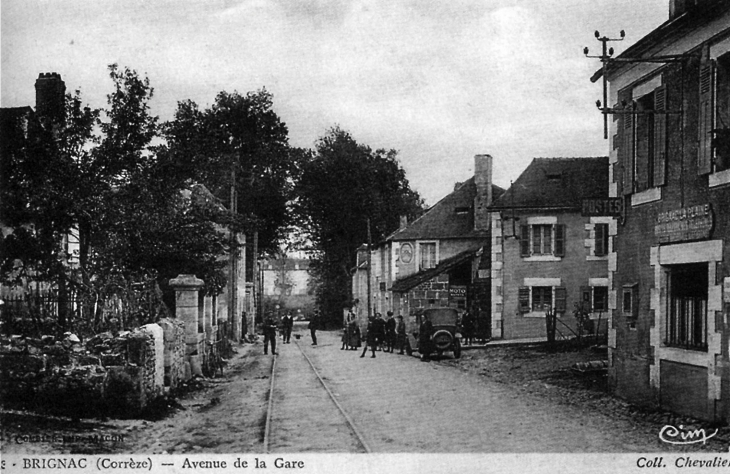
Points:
x=483 y=183
x=403 y=222
x=680 y=7
x=50 y=99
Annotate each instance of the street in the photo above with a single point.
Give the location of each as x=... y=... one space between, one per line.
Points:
x=395 y=403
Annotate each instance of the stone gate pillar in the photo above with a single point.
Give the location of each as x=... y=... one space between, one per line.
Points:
x=186 y=310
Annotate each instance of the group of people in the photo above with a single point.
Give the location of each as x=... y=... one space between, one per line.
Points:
x=285 y=329
x=383 y=334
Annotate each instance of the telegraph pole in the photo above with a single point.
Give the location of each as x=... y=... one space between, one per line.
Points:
x=233 y=273
x=370 y=272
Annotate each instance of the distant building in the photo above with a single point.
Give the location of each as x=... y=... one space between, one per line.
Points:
x=670 y=164
x=546 y=255
x=286 y=282
x=440 y=259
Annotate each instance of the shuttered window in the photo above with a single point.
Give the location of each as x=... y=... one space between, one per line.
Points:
x=560 y=240
x=542 y=239
x=524 y=299
x=524 y=241
x=560 y=299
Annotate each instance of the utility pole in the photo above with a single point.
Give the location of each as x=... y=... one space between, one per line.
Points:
x=233 y=270
x=257 y=300
x=370 y=272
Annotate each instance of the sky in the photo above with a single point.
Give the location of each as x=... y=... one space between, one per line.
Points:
x=439 y=81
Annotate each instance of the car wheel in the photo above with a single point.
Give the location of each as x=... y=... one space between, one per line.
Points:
x=457 y=349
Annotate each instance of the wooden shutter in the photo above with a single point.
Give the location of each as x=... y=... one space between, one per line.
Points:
x=523 y=296
x=585 y=298
x=599 y=248
x=704 y=155
x=660 y=135
x=524 y=241
x=625 y=145
x=560 y=299
x=560 y=240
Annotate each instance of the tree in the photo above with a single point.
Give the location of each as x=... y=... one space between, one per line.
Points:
x=95 y=174
x=238 y=135
x=341 y=187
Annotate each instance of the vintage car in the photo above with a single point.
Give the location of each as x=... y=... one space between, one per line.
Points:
x=445 y=337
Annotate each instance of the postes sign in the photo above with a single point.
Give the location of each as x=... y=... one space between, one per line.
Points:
x=683 y=224
x=602 y=207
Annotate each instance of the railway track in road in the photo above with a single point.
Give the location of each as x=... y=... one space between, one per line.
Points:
x=303 y=413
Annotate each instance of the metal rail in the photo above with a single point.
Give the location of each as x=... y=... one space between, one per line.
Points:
x=350 y=423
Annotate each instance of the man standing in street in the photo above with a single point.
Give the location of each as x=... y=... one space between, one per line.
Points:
x=400 y=331
x=390 y=332
x=424 y=339
x=270 y=334
x=313 y=326
x=287 y=324
x=370 y=337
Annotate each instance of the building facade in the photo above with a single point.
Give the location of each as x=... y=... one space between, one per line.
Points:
x=437 y=260
x=670 y=164
x=547 y=254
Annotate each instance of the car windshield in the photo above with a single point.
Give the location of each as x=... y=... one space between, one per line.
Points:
x=442 y=317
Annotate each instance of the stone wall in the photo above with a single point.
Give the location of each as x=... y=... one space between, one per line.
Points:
x=174 y=371
x=111 y=375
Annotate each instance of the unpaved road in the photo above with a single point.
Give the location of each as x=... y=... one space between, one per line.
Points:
x=398 y=404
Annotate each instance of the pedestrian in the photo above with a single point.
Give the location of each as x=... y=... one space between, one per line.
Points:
x=467 y=328
x=379 y=331
x=370 y=337
x=287 y=323
x=270 y=334
x=314 y=322
x=390 y=332
x=400 y=334
x=354 y=333
x=424 y=339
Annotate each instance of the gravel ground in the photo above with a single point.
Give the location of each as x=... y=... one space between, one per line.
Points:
x=526 y=399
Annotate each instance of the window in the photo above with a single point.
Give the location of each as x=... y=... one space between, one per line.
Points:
x=686 y=325
x=428 y=254
x=630 y=304
x=542 y=239
x=600 y=298
x=601 y=240
x=594 y=298
x=542 y=298
x=642 y=144
x=538 y=299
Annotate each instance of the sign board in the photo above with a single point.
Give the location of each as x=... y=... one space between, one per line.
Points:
x=602 y=207
x=457 y=292
x=683 y=224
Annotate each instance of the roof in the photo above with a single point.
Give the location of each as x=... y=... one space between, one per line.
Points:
x=678 y=27
x=405 y=284
x=442 y=221
x=557 y=183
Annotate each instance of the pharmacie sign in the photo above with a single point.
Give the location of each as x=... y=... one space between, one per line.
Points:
x=686 y=223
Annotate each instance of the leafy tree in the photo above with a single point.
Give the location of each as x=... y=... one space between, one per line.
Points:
x=96 y=174
x=340 y=188
x=241 y=135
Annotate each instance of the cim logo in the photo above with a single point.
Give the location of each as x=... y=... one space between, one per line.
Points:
x=673 y=435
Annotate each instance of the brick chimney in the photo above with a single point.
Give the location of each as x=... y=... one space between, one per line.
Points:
x=403 y=222
x=50 y=99
x=680 y=7
x=483 y=198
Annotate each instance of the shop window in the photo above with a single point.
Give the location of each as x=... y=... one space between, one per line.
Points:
x=601 y=248
x=686 y=324
x=542 y=239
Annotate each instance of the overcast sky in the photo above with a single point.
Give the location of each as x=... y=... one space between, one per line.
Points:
x=437 y=81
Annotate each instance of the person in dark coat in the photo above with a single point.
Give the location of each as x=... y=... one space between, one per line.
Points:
x=379 y=331
x=400 y=334
x=313 y=326
x=425 y=345
x=354 y=333
x=467 y=328
x=269 y=334
x=390 y=332
x=370 y=337
x=287 y=325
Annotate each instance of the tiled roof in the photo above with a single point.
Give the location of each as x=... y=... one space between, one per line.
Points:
x=405 y=284
x=442 y=221
x=557 y=183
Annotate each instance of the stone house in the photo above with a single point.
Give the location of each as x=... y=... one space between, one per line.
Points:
x=670 y=164
x=545 y=254
x=437 y=260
